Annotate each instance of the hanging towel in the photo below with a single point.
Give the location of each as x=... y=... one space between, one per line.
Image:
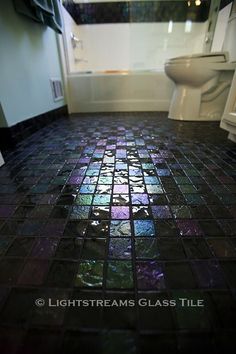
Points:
x=46 y=12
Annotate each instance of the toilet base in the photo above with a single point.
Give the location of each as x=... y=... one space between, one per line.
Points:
x=185 y=103
x=188 y=104
x=232 y=137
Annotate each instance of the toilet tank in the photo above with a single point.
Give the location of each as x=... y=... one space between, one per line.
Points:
x=229 y=44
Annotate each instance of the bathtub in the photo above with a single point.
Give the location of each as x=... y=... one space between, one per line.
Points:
x=119 y=90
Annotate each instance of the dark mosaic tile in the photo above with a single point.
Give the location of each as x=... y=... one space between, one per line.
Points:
x=76 y=228
x=195 y=342
x=150 y=343
x=189 y=228
x=196 y=248
x=61 y=274
x=200 y=212
x=211 y=228
x=76 y=340
x=11 y=339
x=226 y=308
x=44 y=247
x=33 y=272
x=222 y=248
x=97 y=228
x=166 y=228
x=19 y=306
x=131 y=205
x=5 y=241
x=20 y=247
x=171 y=249
x=179 y=275
x=198 y=318
x=158 y=199
x=229 y=271
x=9 y=270
x=69 y=248
x=93 y=249
x=39 y=341
x=208 y=274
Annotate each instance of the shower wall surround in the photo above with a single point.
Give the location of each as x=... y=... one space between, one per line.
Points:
x=131 y=46
x=136 y=11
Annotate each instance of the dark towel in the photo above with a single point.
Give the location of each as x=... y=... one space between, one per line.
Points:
x=43 y=11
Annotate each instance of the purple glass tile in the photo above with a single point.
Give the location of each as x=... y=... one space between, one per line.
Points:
x=84 y=160
x=120 y=212
x=139 y=199
x=162 y=212
x=189 y=228
x=150 y=275
x=121 y=189
x=75 y=180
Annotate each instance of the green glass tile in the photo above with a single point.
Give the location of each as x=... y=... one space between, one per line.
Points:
x=84 y=199
x=146 y=248
x=119 y=275
x=90 y=274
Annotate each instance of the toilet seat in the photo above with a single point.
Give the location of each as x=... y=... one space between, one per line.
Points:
x=217 y=57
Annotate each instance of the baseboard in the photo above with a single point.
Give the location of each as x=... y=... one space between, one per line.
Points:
x=10 y=136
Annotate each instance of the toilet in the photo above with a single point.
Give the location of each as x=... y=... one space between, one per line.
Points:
x=202 y=81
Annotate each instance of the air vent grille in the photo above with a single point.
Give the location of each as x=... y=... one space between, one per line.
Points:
x=57 y=90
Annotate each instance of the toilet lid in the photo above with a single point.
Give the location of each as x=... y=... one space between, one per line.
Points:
x=215 y=57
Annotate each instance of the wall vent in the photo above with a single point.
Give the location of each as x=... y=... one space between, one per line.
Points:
x=57 y=90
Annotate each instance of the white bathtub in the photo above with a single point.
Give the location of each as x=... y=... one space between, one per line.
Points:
x=112 y=91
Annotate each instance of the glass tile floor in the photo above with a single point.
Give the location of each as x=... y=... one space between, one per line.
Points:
x=130 y=209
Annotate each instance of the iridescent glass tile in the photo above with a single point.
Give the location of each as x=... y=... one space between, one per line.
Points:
x=144 y=228
x=146 y=248
x=120 y=248
x=120 y=228
x=90 y=274
x=150 y=275
x=119 y=275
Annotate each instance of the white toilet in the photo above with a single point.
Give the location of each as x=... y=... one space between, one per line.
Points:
x=202 y=81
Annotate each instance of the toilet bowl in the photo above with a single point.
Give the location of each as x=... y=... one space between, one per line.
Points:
x=202 y=83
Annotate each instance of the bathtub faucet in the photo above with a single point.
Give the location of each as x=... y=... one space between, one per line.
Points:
x=76 y=41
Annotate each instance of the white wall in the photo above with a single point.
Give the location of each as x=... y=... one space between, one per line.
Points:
x=136 y=46
x=28 y=59
x=220 y=30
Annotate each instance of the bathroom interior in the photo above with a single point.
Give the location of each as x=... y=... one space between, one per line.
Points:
x=117 y=176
